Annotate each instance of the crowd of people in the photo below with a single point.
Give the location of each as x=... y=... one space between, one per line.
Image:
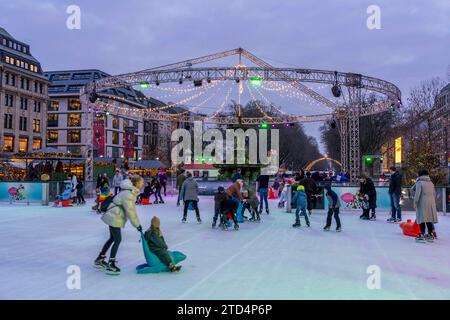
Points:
x=230 y=205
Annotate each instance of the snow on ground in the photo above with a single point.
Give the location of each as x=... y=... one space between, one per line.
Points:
x=267 y=260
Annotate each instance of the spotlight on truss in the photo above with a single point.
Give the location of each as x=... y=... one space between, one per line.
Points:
x=336 y=90
x=198 y=83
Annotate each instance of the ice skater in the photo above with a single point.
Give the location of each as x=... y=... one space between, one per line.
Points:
x=219 y=197
x=189 y=194
x=425 y=206
x=251 y=204
x=333 y=208
x=121 y=209
x=158 y=245
x=300 y=199
x=368 y=196
x=80 y=189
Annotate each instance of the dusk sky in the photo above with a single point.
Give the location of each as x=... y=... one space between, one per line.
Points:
x=412 y=45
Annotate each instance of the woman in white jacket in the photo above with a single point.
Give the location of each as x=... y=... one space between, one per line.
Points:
x=121 y=209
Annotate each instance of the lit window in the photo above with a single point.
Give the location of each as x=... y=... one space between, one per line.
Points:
x=74 y=120
x=11 y=60
x=36 y=125
x=73 y=136
x=52 y=136
x=8 y=145
x=74 y=104
x=18 y=63
x=23 y=144
x=53 y=106
x=7 y=59
x=22 y=64
x=37 y=144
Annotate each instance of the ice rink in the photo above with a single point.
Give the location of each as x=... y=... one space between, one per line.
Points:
x=267 y=260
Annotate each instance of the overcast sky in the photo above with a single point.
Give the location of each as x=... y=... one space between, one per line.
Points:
x=413 y=43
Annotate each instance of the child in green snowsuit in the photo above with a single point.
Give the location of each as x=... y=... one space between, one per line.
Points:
x=157 y=244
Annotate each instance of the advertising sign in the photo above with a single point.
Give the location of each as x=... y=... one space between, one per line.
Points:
x=21 y=192
x=99 y=136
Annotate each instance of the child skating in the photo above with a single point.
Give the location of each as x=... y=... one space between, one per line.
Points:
x=333 y=208
x=300 y=200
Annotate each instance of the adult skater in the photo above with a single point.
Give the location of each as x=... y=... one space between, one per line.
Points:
x=158 y=245
x=263 y=189
x=368 y=192
x=117 y=180
x=189 y=194
x=301 y=202
x=333 y=208
x=146 y=193
x=73 y=182
x=310 y=190
x=395 y=190
x=163 y=180
x=234 y=191
x=121 y=209
x=180 y=179
x=156 y=186
x=80 y=189
x=425 y=206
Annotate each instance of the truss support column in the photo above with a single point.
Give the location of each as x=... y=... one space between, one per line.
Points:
x=353 y=131
x=88 y=144
x=343 y=131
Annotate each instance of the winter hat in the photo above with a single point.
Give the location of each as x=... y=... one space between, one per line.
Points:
x=301 y=187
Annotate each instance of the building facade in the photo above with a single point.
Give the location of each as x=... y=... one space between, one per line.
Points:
x=440 y=125
x=23 y=98
x=67 y=119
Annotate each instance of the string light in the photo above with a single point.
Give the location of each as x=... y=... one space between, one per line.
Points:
x=257 y=103
x=222 y=106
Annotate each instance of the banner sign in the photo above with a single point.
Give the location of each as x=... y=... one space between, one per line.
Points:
x=99 y=136
x=349 y=200
x=128 y=142
x=21 y=192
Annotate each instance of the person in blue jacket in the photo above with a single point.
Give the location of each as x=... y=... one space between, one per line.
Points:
x=333 y=208
x=300 y=200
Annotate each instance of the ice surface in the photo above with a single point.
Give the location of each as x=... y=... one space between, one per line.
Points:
x=269 y=260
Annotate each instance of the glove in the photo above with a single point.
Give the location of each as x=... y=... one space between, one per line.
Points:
x=139 y=228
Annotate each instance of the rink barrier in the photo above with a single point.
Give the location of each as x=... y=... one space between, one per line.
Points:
x=24 y=192
x=347 y=192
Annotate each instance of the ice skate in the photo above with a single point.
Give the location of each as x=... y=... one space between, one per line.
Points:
x=434 y=234
x=100 y=262
x=392 y=220
x=420 y=239
x=183 y=220
x=213 y=225
x=308 y=224
x=296 y=224
x=236 y=227
x=429 y=238
x=199 y=220
x=338 y=229
x=398 y=220
x=326 y=228
x=174 y=268
x=373 y=218
x=267 y=211
x=112 y=269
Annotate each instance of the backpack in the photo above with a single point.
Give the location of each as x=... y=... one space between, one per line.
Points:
x=103 y=207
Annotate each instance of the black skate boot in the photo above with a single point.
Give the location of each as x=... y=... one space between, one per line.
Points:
x=308 y=224
x=183 y=220
x=174 y=268
x=392 y=220
x=326 y=228
x=199 y=220
x=338 y=229
x=296 y=224
x=267 y=211
x=373 y=217
x=236 y=227
x=112 y=269
x=100 y=262
x=214 y=224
